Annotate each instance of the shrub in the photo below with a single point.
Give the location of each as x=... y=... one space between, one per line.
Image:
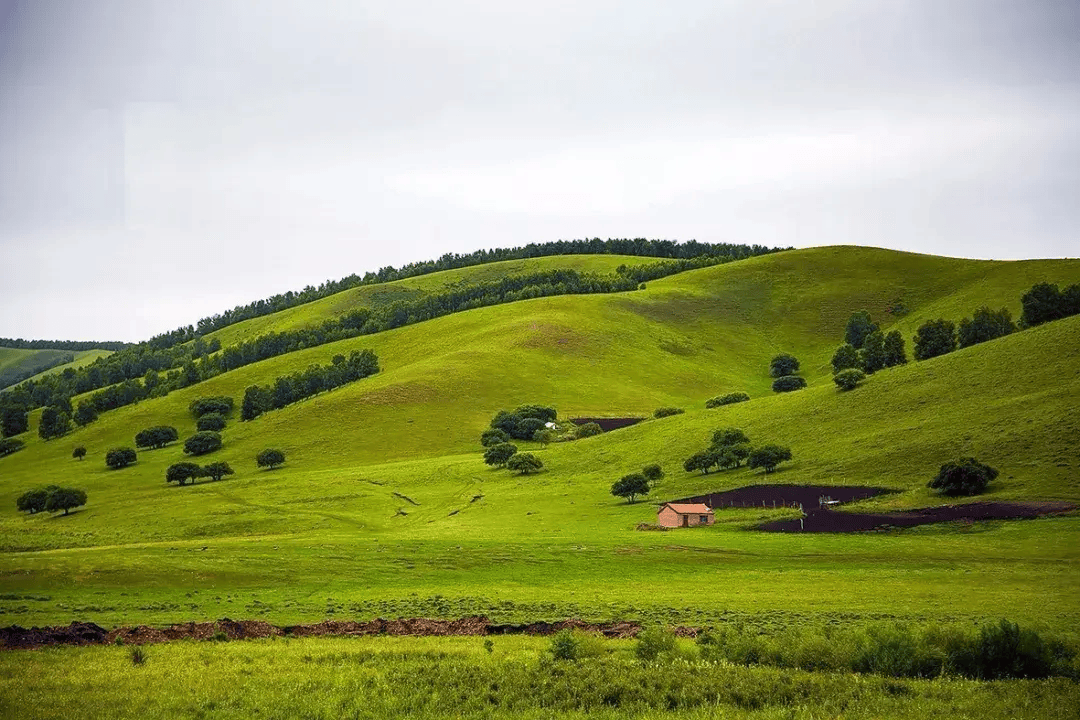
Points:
x=211 y=421
x=202 y=443
x=783 y=364
x=79 y=453
x=156 y=437
x=587 y=430
x=220 y=405
x=138 y=655
x=1005 y=651
x=498 y=455
x=10 y=445
x=64 y=499
x=524 y=463
x=270 y=458
x=768 y=457
x=653 y=642
x=630 y=486
x=848 y=379
x=564 y=645
x=968 y=476
x=120 y=458
x=667 y=412
x=493 y=436
x=788 y=383
x=729 y=399
x=181 y=472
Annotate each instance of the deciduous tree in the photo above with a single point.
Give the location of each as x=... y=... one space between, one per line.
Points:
x=859 y=326
x=524 y=463
x=934 y=338
x=202 y=443
x=967 y=476
x=65 y=499
x=768 y=457
x=118 y=458
x=783 y=364
x=894 y=349
x=270 y=458
x=182 y=472
x=630 y=486
x=498 y=455
x=848 y=379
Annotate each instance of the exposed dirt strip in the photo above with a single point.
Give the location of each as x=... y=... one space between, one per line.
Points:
x=80 y=633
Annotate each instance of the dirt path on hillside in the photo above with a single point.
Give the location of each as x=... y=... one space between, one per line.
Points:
x=80 y=633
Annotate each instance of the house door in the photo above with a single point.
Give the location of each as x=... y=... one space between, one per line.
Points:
x=686 y=521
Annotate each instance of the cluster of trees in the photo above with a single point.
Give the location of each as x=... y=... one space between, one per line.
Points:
x=54 y=423
x=293 y=388
x=730 y=448
x=522 y=424
x=506 y=455
x=1045 y=302
x=638 y=247
x=76 y=345
x=967 y=476
x=31 y=365
x=939 y=337
x=183 y=472
x=50 y=499
x=728 y=399
x=639 y=483
x=866 y=350
x=784 y=367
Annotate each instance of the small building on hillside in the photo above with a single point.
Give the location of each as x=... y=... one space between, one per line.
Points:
x=673 y=515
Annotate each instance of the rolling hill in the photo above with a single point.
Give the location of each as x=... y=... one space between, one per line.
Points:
x=384 y=497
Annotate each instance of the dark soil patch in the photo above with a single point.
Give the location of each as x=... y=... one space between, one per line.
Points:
x=809 y=496
x=15 y=637
x=608 y=424
x=823 y=520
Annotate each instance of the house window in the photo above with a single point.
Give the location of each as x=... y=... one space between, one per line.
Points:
x=703 y=518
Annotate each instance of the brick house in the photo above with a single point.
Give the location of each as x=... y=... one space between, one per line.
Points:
x=674 y=515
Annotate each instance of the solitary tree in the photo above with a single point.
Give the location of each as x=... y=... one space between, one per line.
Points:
x=848 y=379
x=653 y=473
x=788 y=383
x=202 y=443
x=894 y=349
x=181 y=472
x=119 y=458
x=872 y=355
x=54 y=423
x=768 y=457
x=270 y=458
x=846 y=356
x=933 y=338
x=859 y=326
x=783 y=364
x=65 y=499
x=216 y=471
x=630 y=486
x=967 y=476
x=524 y=463
x=498 y=455
x=79 y=453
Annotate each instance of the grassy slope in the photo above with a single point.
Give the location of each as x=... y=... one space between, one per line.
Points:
x=374 y=296
x=329 y=518
x=82 y=358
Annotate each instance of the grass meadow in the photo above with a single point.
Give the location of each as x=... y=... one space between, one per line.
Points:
x=384 y=507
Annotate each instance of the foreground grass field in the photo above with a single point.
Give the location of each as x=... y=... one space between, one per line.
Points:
x=459 y=677
x=385 y=508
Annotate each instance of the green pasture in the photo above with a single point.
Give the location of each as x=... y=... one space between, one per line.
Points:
x=379 y=677
x=384 y=506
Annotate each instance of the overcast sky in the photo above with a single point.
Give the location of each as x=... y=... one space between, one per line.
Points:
x=163 y=160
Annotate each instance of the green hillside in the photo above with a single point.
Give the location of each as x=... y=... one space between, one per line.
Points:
x=384 y=505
